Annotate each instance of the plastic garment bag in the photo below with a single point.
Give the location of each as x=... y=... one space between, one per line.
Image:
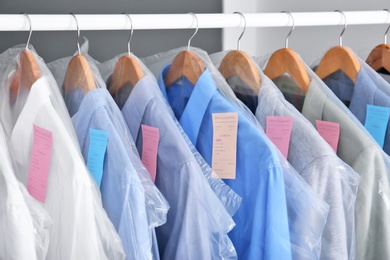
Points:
x=226 y=195
x=368 y=89
x=143 y=104
x=333 y=180
x=359 y=150
x=154 y=199
x=25 y=224
x=306 y=212
x=196 y=213
x=134 y=215
x=81 y=228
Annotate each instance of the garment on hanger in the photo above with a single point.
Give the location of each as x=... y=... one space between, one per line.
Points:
x=80 y=224
x=196 y=213
x=333 y=180
x=369 y=89
x=249 y=241
x=139 y=206
x=129 y=216
x=25 y=224
x=359 y=150
x=226 y=195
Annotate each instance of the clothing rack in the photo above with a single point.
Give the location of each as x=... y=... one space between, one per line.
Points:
x=93 y=22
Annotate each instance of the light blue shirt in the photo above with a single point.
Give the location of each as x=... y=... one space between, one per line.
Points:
x=358 y=95
x=261 y=230
x=333 y=180
x=122 y=192
x=197 y=223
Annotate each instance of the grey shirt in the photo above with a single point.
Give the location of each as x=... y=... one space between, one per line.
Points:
x=362 y=153
x=318 y=164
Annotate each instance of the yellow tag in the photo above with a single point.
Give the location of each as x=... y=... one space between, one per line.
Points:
x=225 y=144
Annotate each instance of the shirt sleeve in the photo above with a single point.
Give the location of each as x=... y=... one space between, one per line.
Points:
x=197 y=223
x=337 y=184
x=372 y=205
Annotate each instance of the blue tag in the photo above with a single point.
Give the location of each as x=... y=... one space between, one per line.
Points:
x=377 y=119
x=97 y=149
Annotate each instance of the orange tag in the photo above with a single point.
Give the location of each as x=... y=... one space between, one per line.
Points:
x=225 y=144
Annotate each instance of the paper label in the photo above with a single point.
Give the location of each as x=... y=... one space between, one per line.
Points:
x=150 y=139
x=330 y=132
x=38 y=172
x=97 y=149
x=278 y=130
x=225 y=144
x=377 y=119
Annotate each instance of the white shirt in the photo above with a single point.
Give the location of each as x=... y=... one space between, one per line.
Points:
x=81 y=228
x=24 y=223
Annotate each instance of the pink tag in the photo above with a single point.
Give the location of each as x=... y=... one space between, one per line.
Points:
x=278 y=131
x=39 y=163
x=150 y=139
x=225 y=144
x=330 y=132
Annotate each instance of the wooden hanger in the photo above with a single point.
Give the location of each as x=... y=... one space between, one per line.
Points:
x=27 y=72
x=27 y=69
x=186 y=64
x=339 y=58
x=78 y=73
x=238 y=63
x=287 y=61
x=380 y=57
x=127 y=69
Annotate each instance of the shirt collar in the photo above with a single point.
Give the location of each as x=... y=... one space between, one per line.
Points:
x=95 y=98
x=314 y=103
x=364 y=85
x=142 y=93
x=195 y=109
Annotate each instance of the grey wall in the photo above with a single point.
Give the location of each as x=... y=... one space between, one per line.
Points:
x=312 y=42
x=309 y=42
x=106 y=44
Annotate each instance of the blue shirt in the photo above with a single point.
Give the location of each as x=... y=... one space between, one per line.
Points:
x=261 y=230
x=332 y=179
x=123 y=194
x=358 y=95
x=197 y=223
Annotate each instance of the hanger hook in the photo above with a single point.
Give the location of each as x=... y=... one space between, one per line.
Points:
x=30 y=33
x=196 y=31
x=243 y=31
x=78 y=33
x=131 y=32
x=345 y=27
x=292 y=27
x=388 y=14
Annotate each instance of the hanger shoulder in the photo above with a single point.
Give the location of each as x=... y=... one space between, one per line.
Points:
x=240 y=64
x=27 y=72
x=29 y=68
x=379 y=57
x=79 y=74
x=186 y=64
x=127 y=70
x=339 y=58
x=287 y=61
